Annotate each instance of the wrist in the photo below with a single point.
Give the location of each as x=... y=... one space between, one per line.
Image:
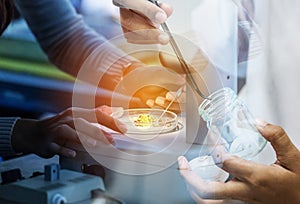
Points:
x=6 y=128
x=21 y=134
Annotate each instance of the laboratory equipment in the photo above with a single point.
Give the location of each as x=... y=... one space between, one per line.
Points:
x=56 y=186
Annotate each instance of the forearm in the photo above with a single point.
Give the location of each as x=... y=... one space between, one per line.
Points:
x=66 y=39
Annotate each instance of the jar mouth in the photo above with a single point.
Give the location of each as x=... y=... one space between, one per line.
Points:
x=217 y=104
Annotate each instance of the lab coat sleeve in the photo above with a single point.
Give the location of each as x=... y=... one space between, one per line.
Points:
x=67 y=40
x=6 y=128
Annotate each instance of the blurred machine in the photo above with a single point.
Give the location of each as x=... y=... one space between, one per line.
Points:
x=54 y=186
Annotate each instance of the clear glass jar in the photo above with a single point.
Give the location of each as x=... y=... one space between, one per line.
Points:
x=232 y=130
x=230 y=125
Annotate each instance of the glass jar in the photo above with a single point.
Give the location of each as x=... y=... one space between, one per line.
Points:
x=230 y=125
x=231 y=129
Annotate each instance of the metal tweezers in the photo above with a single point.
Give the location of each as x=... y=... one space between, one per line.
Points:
x=179 y=56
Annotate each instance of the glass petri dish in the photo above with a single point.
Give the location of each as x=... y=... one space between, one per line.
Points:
x=147 y=121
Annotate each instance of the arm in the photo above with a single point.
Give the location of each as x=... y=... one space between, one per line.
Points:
x=66 y=39
x=51 y=136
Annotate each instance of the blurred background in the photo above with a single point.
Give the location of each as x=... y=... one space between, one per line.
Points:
x=29 y=85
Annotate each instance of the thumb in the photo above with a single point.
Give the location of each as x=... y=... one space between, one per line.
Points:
x=198 y=63
x=287 y=154
x=171 y=62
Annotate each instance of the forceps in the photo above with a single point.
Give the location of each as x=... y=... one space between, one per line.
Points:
x=179 y=56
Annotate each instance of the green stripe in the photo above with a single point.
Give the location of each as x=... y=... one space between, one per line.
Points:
x=34 y=68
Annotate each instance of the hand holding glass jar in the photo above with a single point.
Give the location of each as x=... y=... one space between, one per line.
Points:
x=252 y=182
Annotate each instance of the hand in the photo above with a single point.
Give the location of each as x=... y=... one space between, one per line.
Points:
x=169 y=97
x=155 y=86
x=253 y=182
x=48 y=137
x=140 y=20
x=171 y=63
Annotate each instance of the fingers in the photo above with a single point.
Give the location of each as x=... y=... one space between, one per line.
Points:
x=156 y=14
x=110 y=122
x=211 y=190
x=62 y=151
x=168 y=9
x=287 y=154
x=171 y=62
x=145 y=36
x=140 y=30
x=65 y=133
x=88 y=133
x=183 y=164
x=194 y=182
x=140 y=21
x=92 y=133
x=100 y=116
x=240 y=168
x=163 y=102
x=171 y=95
x=199 y=200
x=199 y=62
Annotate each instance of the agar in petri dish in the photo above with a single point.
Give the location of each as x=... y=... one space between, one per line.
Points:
x=147 y=121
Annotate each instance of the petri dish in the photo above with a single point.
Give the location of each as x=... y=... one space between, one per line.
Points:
x=147 y=121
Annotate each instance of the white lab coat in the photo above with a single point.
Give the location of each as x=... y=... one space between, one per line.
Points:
x=214 y=23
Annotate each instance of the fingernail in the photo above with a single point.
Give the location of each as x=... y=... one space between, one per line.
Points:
x=163 y=38
x=150 y=103
x=71 y=153
x=180 y=161
x=91 y=142
x=171 y=95
x=160 y=100
x=160 y=17
x=156 y=25
x=261 y=123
